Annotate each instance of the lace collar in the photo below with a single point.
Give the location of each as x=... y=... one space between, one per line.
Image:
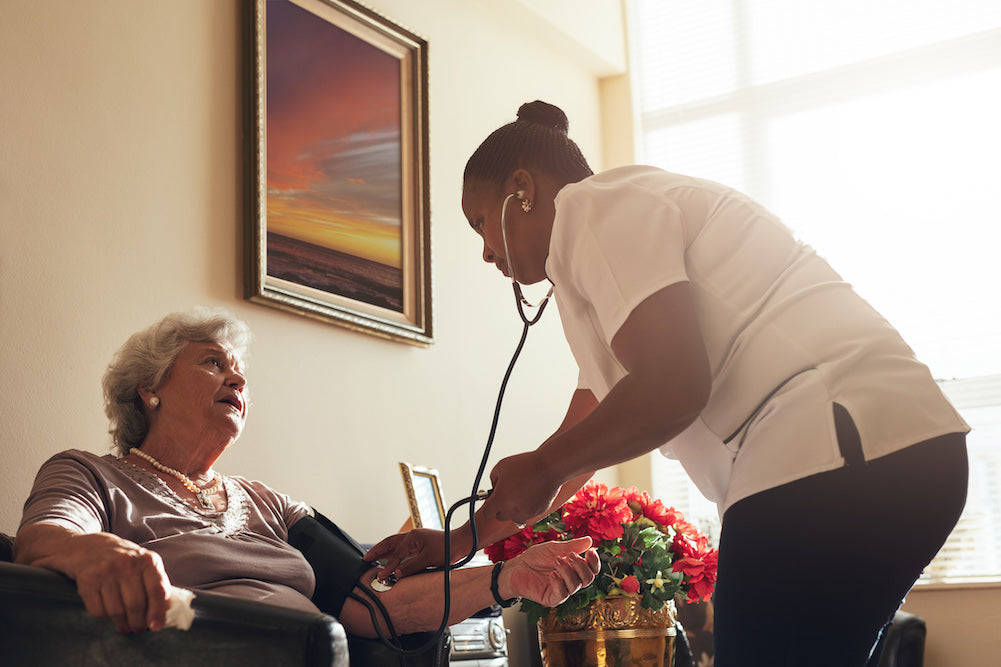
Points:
x=229 y=521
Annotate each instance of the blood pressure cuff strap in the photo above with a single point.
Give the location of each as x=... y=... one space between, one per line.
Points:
x=335 y=557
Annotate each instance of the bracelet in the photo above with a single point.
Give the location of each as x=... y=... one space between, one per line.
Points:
x=493 y=587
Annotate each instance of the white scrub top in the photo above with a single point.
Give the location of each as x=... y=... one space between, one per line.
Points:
x=786 y=337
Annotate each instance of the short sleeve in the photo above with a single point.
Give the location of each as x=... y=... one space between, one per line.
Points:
x=68 y=494
x=284 y=511
x=618 y=246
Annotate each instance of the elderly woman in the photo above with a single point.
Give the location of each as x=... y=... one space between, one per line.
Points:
x=127 y=527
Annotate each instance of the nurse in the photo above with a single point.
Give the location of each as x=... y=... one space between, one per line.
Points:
x=701 y=326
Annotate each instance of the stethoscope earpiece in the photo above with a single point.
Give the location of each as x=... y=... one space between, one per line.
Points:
x=519 y=298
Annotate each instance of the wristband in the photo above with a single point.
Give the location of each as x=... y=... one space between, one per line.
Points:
x=493 y=587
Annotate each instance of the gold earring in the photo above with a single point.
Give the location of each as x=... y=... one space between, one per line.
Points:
x=526 y=205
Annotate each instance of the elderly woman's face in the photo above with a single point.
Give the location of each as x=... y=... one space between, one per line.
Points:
x=205 y=390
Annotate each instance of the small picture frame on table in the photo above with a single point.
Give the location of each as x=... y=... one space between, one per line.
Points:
x=427 y=509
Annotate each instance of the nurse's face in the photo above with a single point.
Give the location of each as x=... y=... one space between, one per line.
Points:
x=527 y=237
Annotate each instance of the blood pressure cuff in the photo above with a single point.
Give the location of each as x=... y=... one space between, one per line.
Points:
x=335 y=557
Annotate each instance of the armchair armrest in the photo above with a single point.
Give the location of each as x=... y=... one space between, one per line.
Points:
x=44 y=622
x=904 y=641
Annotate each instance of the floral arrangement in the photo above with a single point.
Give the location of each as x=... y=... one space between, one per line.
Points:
x=646 y=549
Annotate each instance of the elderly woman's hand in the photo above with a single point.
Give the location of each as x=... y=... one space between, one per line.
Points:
x=117 y=579
x=550 y=572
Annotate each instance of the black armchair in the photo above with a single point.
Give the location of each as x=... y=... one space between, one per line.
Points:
x=904 y=641
x=43 y=622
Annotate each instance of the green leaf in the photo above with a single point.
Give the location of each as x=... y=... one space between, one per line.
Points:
x=651 y=537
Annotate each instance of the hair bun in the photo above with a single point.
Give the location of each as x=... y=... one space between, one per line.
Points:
x=545 y=114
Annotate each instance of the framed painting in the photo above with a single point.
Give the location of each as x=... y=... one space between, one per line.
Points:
x=338 y=179
x=427 y=508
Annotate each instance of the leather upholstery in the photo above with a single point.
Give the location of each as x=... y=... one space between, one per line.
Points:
x=904 y=642
x=43 y=622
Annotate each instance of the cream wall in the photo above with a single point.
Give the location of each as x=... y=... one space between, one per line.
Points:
x=120 y=200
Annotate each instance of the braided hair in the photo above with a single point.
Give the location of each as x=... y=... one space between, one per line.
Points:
x=537 y=139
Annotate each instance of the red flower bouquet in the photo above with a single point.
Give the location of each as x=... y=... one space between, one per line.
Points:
x=646 y=549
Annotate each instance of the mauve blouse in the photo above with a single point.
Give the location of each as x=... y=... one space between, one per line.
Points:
x=241 y=551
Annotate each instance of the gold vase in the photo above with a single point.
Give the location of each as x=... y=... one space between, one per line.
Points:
x=614 y=632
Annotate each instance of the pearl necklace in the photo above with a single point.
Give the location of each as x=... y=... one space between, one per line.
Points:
x=201 y=494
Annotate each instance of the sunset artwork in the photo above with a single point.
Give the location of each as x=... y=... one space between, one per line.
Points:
x=334 y=175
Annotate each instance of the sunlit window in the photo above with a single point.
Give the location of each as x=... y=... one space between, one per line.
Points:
x=872 y=128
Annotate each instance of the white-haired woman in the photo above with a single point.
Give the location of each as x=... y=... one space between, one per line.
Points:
x=127 y=527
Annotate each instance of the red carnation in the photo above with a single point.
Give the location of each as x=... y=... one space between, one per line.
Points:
x=510 y=547
x=638 y=500
x=516 y=544
x=597 y=512
x=693 y=545
x=686 y=528
x=665 y=516
x=700 y=574
x=548 y=536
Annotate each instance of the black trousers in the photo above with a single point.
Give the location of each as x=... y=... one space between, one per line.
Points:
x=812 y=571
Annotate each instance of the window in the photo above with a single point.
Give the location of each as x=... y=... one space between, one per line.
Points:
x=871 y=127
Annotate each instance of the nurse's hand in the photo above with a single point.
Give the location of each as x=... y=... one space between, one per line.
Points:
x=524 y=487
x=416 y=550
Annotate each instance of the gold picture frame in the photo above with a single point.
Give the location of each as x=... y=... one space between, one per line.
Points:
x=424 y=498
x=338 y=206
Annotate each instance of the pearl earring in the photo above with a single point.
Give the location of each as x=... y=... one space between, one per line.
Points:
x=526 y=205
x=154 y=401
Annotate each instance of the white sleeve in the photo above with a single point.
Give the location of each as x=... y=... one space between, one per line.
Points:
x=619 y=246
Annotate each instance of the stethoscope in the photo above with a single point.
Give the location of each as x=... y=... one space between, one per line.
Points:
x=477 y=495
x=520 y=303
x=519 y=298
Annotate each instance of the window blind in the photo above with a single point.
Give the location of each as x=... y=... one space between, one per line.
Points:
x=871 y=127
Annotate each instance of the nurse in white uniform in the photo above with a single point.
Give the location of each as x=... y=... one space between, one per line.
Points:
x=703 y=327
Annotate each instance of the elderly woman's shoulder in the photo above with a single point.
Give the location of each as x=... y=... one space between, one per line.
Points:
x=265 y=495
x=257 y=487
x=82 y=457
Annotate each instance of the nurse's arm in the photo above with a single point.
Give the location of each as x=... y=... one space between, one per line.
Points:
x=666 y=387
x=488 y=528
x=407 y=553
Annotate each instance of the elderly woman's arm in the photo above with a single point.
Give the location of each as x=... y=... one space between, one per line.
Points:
x=117 y=579
x=412 y=551
x=547 y=573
